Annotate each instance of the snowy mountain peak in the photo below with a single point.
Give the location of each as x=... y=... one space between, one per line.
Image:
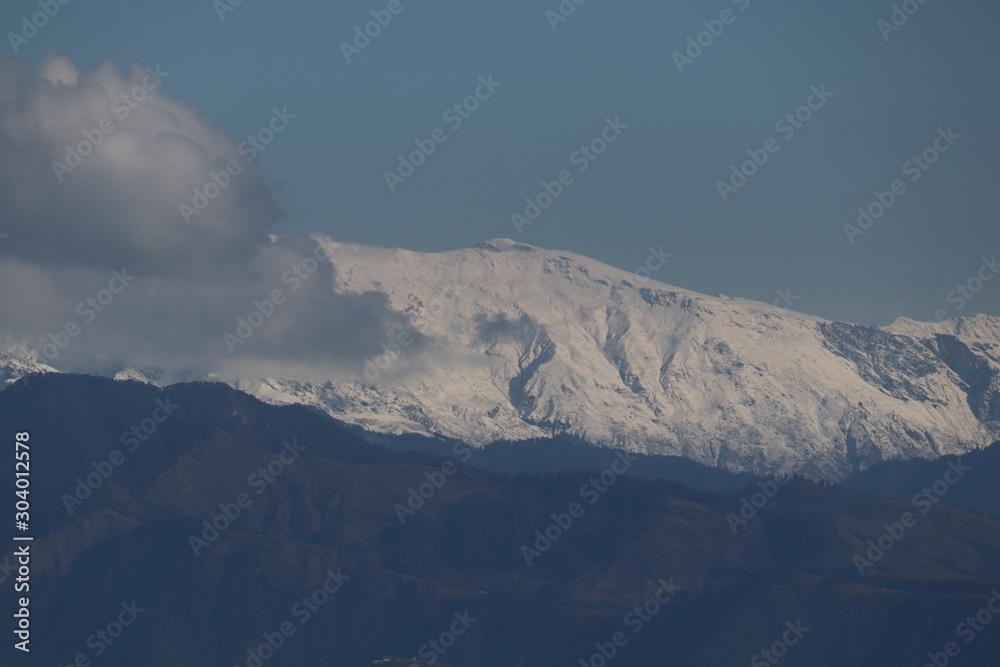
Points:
x=981 y=327
x=523 y=342
x=533 y=343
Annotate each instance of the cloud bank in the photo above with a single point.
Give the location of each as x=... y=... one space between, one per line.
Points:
x=100 y=264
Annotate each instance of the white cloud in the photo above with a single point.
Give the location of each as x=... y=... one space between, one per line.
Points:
x=120 y=208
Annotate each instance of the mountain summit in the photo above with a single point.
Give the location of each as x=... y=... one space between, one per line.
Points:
x=521 y=342
x=529 y=342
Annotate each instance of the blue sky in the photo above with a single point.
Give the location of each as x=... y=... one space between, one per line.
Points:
x=657 y=183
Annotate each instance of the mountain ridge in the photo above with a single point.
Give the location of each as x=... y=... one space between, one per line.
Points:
x=525 y=343
x=462 y=550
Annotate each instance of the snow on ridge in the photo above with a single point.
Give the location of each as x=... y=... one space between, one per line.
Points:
x=528 y=342
x=571 y=344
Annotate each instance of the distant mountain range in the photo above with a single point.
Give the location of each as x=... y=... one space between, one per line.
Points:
x=523 y=343
x=137 y=506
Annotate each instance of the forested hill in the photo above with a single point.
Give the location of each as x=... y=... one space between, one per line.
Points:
x=412 y=552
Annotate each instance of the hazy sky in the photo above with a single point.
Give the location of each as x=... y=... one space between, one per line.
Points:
x=657 y=182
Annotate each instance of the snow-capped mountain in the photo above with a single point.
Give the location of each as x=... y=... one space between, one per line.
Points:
x=522 y=342
x=16 y=361
x=529 y=342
